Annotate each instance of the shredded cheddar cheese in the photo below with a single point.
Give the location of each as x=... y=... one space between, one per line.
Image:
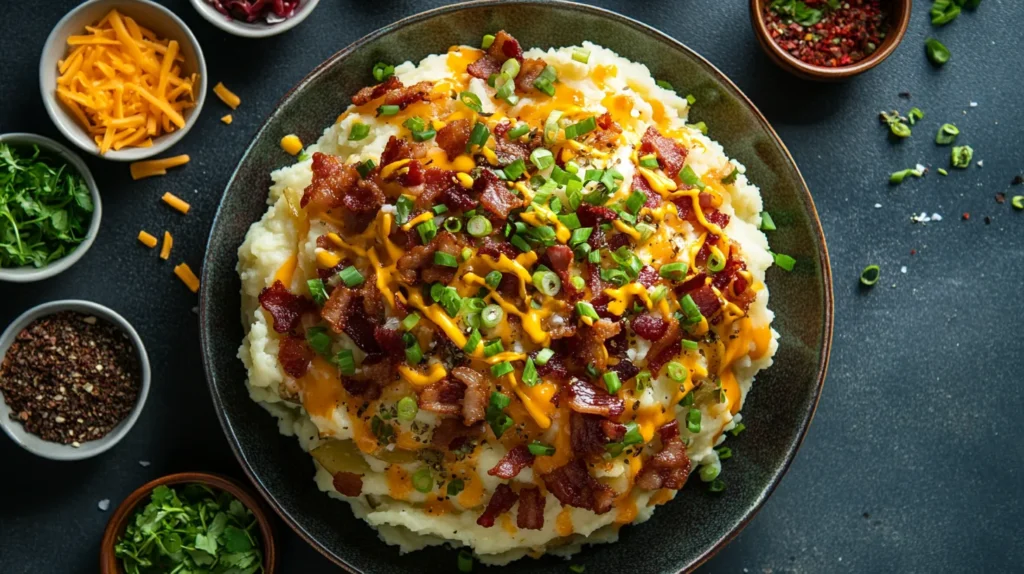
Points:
x=147 y=239
x=176 y=202
x=184 y=272
x=151 y=167
x=227 y=96
x=227 y=119
x=123 y=84
x=165 y=248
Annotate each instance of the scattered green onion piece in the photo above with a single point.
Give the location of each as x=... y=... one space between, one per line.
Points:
x=491 y=316
x=594 y=256
x=701 y=127
x=422 y=480
x=467 y=252
x=436 y=291
x=413 y=353
x=1017 y=202
x=551 y=127
x=687 y=400
x=415 y=124
x=493 y=279
x=382 y=71
x=724 y=452
x=407 y=409
x=676 y=371
x=709 y=472
x=445 y=260
x=675 y=271
x=365 y=167
x=520 y=243
x=899 y=129
x=586 y=310
x=612 y=382
x=659 y=293
x=736 y=430
x=351 y=277
x=478 y=226
x=471 y=101
x=410 y=321
x=784 y=261
x=690 y=177
x=633 y=435
x=690 y=310
x=961 y=156
x=897 y=178
x=538 y=448
x=403 y=207
x=465 y=560
x=693 y=420
x=717 y=485
x=650 y=161
x=518 y=131
x=581 y=55
x=689 y=345
x=530 y=376
x=731 y=178
x=716 y=260
x=492 y=348
x=423 y=135
x=427 y=230
x=665 y=85
x=572 y=167
x=487 y=41
x=478 y=137
x=635 y=201
x=947 y=134
x=580 y=235
x=439 y=209
x=451 y=301
x=572 y=222
x=945 y=11
x=510 y=69
x=346 y=362
x=870 y=275
x=643 y=379
x=646 y=231
x=547 y=282
x=545 y=82
x=542 y=158
x=358 y=131
x=915 y=114
x=690 y=99
x=578 y=282
x=473 y=342
x=515 y=169
x=580 y=128
x=317 y=290
x=767 y=223
x=942 y=171
x=501 y=369
x=453 y=224
x=388 y=110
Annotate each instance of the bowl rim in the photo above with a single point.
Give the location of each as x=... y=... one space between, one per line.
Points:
x=28 y=274
x=253 y=30
x=828 y=309
x=73 y=132
x=57 y=451
x=124 y=511
x=795 y=65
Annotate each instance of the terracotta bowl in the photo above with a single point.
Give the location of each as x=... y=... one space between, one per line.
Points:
x=899 y=19
x=109 y=564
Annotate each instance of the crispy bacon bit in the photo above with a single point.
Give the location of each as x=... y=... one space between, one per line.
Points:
x=592 y=350
x=671 y=155
x=371 y=93
x=389 y=340
x=665 y=348
x=494 y=196
x=593 y=215
x=361 y=387
x=691 y=284
x=414 y=176
x=418 y=262
x=403 y=97
x=613 y=430
x=670 y=467
x=484 y=68
x=529 y=70
x=587 y=435
x=348 y=483
x=294 y=355
x=572 y=484
x=706 y=300
x=512 y=463
x=648 y=276
x=649 y=327
x=286 y=309
x=561 y=257
x=608 y=133
x=501 y=502
x=435 y=182
x=496 y=248
x=717 y=217
x=640 y=184
x=453 y=138
x=625 y=369
x=531 y=509
x=586 y=398
x=444 y=242
x=619 y=240
x=600 y=303
x=443 y=397
x=399 y=148
x=451 y=434
x=345 y=311
x=555 y=367
x=336 y=184
x=503 y=48
x=456 y=198
x=506 y=150
x=474 y=402
x=618 y=345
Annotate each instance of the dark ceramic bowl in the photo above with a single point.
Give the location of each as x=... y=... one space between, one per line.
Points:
x=778 y=411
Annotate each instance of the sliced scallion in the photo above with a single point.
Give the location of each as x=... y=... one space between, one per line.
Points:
x=351 y=277
x=471 y=101
x=407 y=409
x=547 y=282
x=870 y=275
x=491 y=315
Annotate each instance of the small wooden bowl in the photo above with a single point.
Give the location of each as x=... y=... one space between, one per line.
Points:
x=899 y=19
x=109 y=564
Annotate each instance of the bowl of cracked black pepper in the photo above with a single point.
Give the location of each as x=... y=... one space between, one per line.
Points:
x=74 y=378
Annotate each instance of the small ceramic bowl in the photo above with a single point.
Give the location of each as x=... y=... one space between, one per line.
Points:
x=253 y=29
x=151 y=15
x=57 y=451
x=109 y=564
x=899 y=19
x=48 y=146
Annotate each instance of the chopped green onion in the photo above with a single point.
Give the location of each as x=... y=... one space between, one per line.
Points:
x=487 y=41
x=410 y=321
x=690 y=177
x=690 y=99
x=687 y=400
x=633 y=435
x=454 y=224
x=520 y=243
x=427 y=230
x=784 y=261
x=510 y=69
x=413 y=353
x=491 y=316
x=693 y=420
x=675 y=271
x=499 y=401
x=478 y=226
x=731 y=178
x=635 y=201
x=915 y=114
x=942 y=171
x=677 y=372
x=646 y=231
x=346 y=362
x=580 y=235
x=473 y=342
x=616 y=276
x=724 y=452
x=547 y=282
x=716 y=260
x=586 y=310
x=581 y=55
x=961 y=156
x=740 y=427
x=388 y=110
x=471 y=101
x=423 y=135
x=493 y=279
x=501 y=369
x=701 y=127
x=594 y=256
x=870 y=275
x=365 y=167
x=454 y=488
x=436 y=291
x=518 y=131
x=439 y=209
x=643 y=378
x=709 y=472
x=689 y=345
x=659 y=293
x=467 y=252
x=665 y=85
x=897 y=178
x=358 y=131
x=407 y=409
x=1017 y=202
x=473 y=304
x=947 y=134
x=465 y=560
x=717 y=485
x=572 y=167
x=530 y=376
x=492 y=348
x=515 y=169
x=945 y=11
x=451 y=301
x=612 y=382
x=422 y=480
x=415 y=124
x=542 y=158
x=543 y=356
x=690 y=310
x=580 y=128
x=900 y=129
x=571 y=222
x=538 y=448
x=767 y=223
x=551 y=127
x=403 y=208
x=351 y=277
x=316 y=289
x=650 y=161
x=545 y=82
x=478 y=137
x=578 y=282
x=382 y=71
x=445 y=260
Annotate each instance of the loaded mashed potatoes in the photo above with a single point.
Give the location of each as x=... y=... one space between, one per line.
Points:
x=509 y=301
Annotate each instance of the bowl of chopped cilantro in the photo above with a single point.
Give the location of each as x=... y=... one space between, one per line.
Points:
x=189 y=522
x=49 y=208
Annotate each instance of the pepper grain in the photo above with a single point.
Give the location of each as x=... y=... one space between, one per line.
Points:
x=70 y=377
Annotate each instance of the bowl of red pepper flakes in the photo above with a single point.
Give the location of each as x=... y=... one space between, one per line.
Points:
x=829 y=40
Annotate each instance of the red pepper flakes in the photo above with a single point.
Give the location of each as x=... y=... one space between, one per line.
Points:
x=842 y=37
x=965 y=216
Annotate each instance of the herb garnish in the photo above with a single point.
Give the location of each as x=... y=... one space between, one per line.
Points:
x=45 y=208
x=195 y=530
x=800 y=13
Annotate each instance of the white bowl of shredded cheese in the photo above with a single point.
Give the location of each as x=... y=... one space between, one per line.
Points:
x=147 y=113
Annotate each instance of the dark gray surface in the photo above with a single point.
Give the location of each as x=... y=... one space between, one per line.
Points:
x=914 y=461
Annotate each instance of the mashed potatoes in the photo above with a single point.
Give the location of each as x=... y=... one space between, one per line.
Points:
x=508 y=301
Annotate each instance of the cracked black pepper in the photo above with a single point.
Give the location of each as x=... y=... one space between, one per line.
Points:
x=70 y=377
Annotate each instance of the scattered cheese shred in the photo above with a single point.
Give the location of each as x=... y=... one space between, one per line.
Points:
x=123 y=84
x=187 y=277
x=291 y=144
x=227 y=119
x=151 y=167
x=147 y=239
x=165 y=249
x=176 y=202
x=227 y=96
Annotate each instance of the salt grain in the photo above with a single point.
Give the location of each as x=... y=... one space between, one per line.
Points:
x=104 y=504
x=974 y=104
x=144 y=463
x=903 y=269
x=878 y=206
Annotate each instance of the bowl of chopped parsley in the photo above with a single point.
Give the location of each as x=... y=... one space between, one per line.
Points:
x=49 y=208
x=189 y=522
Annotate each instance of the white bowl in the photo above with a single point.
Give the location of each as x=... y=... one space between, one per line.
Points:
x=161 y=21
x=255 y=29
x=28 y=273
x=57 y=451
